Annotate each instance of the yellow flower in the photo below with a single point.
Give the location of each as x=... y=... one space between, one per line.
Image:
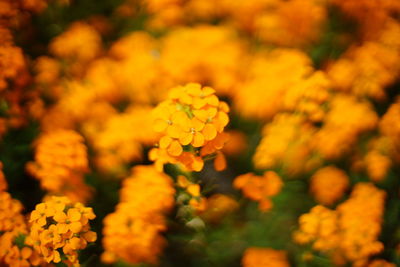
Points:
x=191 y=119
x=59 y=223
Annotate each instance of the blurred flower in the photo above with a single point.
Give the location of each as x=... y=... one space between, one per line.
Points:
x=264 y=257
x=61 y=160
x=349 y=233
x=287 y=142
x=79 y=43
x=292 y=23
x=259 y=188
x=345 y=121
x=133 y=232
x=218 y=207
x=206 y=55
x=328 y=185
x=380 y=263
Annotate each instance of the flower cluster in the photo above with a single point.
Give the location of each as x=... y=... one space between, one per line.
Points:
x=260 y=188
x=286 y=142
x=10 y=213
x=349 y=233
x=314 y=108
x=14 y=251
x=117 y=141
x=138 y=221
x=328 y=185
x=59 y=229
x=303 y=90
x=16 y=102
x=264 y=257
x=191 y=121
x=60 y=162
x=378 y=161
x=347 y=119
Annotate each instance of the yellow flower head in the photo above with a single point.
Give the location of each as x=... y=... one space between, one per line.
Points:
x=58 y=223
x=191 y=121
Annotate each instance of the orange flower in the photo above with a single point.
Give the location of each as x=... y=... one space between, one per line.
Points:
x=80 y=42
x=328 y=185
x=218 y=206
x=133 y=232
x=10 y=212
x=264 y=257
x=349 y=233
x=259 y=188
x=60 y=162
x=190 y=119
x=380 y=263
x=14 y=250
x=286 y=143
x=60 y=223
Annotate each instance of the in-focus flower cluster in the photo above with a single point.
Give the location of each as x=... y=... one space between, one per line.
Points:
x=59 y=229
x=192 y=122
